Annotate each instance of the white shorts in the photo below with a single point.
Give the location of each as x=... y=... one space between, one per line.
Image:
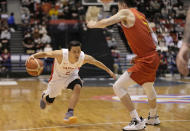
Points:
x=55 y=86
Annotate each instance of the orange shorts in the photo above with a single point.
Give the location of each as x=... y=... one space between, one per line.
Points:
x=144 y=69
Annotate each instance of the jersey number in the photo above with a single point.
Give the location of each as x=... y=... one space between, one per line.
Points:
x=144 y=22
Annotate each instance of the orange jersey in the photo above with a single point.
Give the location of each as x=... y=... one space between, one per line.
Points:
x=139 y=36
x=142 y=44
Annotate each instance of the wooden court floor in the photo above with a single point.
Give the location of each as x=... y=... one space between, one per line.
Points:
x=96 y=110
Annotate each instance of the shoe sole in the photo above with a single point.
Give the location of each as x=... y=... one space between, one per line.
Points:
x=135 y=130
x=71 y=120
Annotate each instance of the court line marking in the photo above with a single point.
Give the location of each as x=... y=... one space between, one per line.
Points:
x=93 y=124
x=8 y=83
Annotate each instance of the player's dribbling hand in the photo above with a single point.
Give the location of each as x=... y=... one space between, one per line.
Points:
x=182 y=60
x=91 y=24
x=30 y=57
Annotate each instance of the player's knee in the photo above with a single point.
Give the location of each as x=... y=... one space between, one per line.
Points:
x=77 y=88
x=49 y=100
x=119 y=91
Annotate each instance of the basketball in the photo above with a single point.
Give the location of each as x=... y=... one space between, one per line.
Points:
x=34 y=67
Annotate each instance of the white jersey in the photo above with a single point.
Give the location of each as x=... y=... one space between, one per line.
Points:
x=66 y=69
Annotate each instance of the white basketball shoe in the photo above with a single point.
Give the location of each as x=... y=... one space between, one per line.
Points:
x=135 y=125
x=152 y=120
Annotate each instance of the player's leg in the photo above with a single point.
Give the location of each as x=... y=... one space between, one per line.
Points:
x=120 y=89
x=53 y=90
x=76 y=86
x=153 y=118
x=46 y=100
x=75 y=96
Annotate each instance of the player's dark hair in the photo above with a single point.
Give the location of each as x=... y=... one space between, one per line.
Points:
x=73 y=43
x=129 y=3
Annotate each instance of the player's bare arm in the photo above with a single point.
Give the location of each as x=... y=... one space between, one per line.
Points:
x=124 y=16
x=90 y=60
x=50 y=54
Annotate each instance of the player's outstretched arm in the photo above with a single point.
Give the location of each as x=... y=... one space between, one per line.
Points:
x=121 y=15
x=90 y=60
x=183 y=55
x=50 y=54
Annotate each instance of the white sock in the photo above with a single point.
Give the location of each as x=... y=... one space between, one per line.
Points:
x=153 y=112
x=134 y=114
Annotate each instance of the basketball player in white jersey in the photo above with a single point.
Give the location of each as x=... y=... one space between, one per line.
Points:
x=65 y=75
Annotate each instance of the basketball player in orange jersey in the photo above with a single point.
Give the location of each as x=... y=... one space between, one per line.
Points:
x=142 y=41
x=183 y=55
x=65 y=75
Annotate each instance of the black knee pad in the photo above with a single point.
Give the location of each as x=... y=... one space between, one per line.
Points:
x=50 y=100
x=73 y=83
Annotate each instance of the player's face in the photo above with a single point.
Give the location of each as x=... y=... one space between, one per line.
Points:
x=75 y=52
